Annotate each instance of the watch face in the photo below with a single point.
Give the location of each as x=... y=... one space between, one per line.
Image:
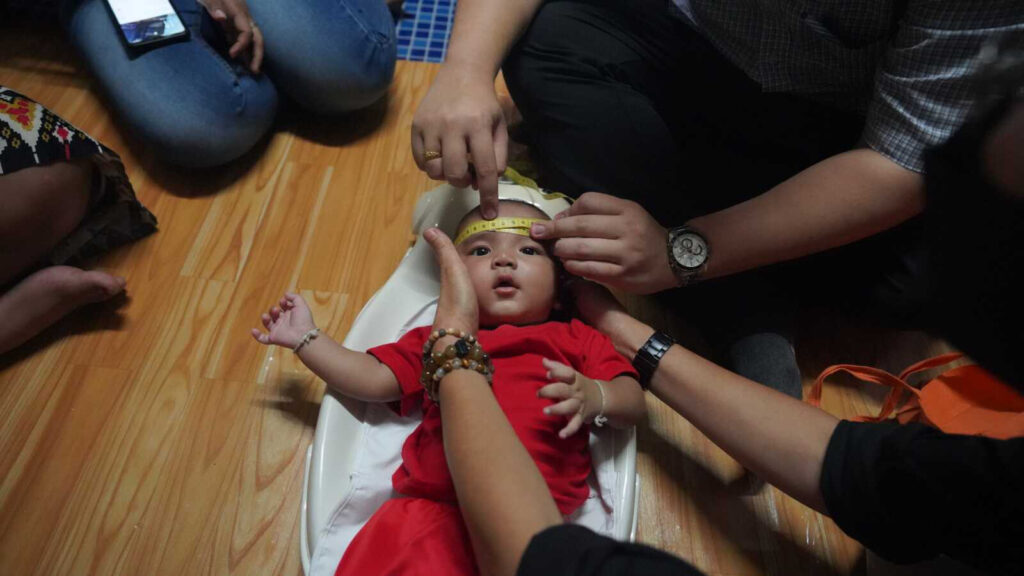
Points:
x=689 y=250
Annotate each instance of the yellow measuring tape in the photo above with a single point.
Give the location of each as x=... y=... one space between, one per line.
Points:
x=516 y=178
x=519 y=226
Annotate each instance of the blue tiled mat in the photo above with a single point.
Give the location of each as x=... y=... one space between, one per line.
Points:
x=424 y=29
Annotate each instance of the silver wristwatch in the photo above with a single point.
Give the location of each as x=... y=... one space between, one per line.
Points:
x=688 y=254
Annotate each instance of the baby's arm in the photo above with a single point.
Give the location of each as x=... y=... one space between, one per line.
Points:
x=580 y=397
x=354 y=374
x=624 y=402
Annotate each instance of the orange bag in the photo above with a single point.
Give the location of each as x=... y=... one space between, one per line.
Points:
x=965 y=400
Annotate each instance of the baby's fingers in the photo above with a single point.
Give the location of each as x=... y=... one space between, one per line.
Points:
x=267 y=321
x=260 y=336
x=555 y=391
x=295 y=299
x=564 y=408
x=572 y=427
x=559 y=371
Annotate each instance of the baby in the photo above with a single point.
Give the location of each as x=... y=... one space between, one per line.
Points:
x=549 y=377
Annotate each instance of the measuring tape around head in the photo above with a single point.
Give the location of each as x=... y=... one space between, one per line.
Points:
x=520 y=226
x=516 y=178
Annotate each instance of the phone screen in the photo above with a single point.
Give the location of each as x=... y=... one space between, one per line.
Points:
x=146 y=21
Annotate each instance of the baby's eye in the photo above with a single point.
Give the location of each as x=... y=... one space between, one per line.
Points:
x=530 y=250
x=480 y=251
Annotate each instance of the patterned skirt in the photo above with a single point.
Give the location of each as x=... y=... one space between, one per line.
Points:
x=31 y=135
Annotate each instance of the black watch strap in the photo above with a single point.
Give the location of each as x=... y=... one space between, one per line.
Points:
x=649 y=355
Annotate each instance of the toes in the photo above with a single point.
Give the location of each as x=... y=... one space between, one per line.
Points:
x=96 y=286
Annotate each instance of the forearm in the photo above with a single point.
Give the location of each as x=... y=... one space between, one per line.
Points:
x=842 y=199
x=503 y=497
x=780 y=438
x=624 y=402
x=483 y=33
x=354 y=374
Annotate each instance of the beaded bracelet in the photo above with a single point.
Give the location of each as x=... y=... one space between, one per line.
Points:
x=466 y=353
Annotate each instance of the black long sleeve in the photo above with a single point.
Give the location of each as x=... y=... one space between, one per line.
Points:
x=570 y=550
x=912 y=492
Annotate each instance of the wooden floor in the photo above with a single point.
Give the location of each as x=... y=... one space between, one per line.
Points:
x=153 y=436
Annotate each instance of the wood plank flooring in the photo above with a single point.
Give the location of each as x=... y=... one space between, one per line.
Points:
x=153 y=436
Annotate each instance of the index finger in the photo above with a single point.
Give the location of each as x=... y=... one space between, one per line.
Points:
x=585 y=226
x=560 y=371
x=596 y=203
x=489 y=202
x=481 y=147
x=257 y=50
x=241 y=24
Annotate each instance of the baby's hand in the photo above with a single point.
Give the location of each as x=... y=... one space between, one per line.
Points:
x=581 y=400
x=286 y=323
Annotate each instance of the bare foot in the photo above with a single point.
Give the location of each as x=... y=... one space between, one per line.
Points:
x=47 y=296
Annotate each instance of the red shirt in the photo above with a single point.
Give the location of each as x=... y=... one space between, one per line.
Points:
x=516 y=352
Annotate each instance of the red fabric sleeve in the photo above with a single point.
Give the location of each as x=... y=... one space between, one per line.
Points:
x=600 y=359
x=405 y=359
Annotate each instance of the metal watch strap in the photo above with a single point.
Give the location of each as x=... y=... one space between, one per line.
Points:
x=684 y=276
x=647 y=358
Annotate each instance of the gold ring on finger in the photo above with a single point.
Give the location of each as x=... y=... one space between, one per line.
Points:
x=431 y=155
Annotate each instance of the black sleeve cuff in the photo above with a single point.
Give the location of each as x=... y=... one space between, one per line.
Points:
x=855 y=477
x=571 y=550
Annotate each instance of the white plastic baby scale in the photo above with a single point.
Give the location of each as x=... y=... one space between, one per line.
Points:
x=357 y=446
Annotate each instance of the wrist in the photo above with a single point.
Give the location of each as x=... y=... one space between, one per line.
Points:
x=307 y=337
x=631 y=336
x=449 y=350
x=458 y=382
x=688 y=253
x=592 y=401
x=443 y=342
x=666 y=279
x=594 y=410
x=470 y=69
x=666 y=276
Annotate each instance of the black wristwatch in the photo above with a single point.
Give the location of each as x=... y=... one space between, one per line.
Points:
x=649 y=355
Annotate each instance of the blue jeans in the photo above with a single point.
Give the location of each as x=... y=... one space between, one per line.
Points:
x=197 y=108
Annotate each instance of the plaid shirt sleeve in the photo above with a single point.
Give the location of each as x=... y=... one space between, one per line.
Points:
x=923 y=86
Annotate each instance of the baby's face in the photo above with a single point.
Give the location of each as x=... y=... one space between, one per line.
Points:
x=514 y=276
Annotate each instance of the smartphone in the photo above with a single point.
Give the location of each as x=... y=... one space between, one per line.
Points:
x=147 y=22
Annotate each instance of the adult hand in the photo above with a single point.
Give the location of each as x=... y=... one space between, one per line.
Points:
x=599 y=308
x=611 y=241
x=460 y=119
x=243 y=34
x=457 y=306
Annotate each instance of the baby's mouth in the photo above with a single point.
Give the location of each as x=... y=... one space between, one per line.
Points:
x=505 y=285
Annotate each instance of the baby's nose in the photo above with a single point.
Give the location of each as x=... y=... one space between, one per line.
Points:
x=503 y=259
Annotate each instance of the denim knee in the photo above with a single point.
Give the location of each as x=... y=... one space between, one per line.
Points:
x=183 y=100
x=330 y=56
x=212 y=134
